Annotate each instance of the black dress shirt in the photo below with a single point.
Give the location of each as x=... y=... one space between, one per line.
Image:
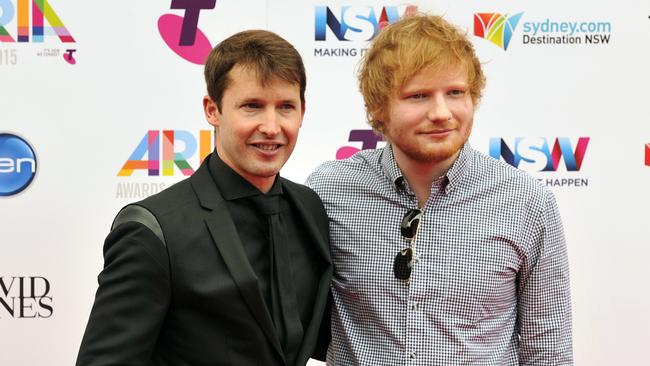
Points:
x=242 y=200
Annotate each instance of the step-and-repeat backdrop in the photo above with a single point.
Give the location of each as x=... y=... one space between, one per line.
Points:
x=101 y=106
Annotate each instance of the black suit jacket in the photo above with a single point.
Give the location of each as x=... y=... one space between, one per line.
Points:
x=177 y=288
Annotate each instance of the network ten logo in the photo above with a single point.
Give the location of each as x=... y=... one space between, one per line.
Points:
x=353 y=23
x=25 y=297
x=41 y=10
x=17 y=164
x=182 y=34
x=155 y=163
x=539 y=154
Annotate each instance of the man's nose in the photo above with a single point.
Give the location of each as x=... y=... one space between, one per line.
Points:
x=438 y=109
x=270 y=124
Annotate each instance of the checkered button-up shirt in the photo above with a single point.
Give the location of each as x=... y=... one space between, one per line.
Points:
x=490 y=285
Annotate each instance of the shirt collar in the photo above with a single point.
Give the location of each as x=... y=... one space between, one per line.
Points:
x=390 y=168
x=232 y=185
x=460 y=168
x=454 y=175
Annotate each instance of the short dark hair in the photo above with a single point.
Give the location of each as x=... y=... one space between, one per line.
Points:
x=268 y=54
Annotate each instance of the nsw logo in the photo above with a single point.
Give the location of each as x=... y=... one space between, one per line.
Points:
x=357 y=23
x=352 y=23
x=537 y=154
x=496 y=28
x=17 y=164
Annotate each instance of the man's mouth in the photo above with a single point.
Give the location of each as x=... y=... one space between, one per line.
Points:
x=436 y=132
x=267 y=147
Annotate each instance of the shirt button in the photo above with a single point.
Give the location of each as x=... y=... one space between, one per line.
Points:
x=414 y=306
x=413 y=355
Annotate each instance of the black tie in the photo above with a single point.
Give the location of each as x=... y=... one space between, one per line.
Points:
x=284 y=308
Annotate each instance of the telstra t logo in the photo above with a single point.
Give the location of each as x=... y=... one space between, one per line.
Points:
x=537 y=152
x=182 y=34
x=368 y=139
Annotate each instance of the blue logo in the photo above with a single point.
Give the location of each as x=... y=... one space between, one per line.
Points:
x=17 y=164
x=355 y=23
x=542 y=152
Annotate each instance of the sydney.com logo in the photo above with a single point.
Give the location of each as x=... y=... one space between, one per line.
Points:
x=500 y=29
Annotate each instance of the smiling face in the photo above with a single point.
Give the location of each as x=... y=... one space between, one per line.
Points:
x=257 y=126
x=430 y=117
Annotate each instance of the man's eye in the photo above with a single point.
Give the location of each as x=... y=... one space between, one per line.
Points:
x=287 y=106
x=251 y=105
x=417 y=96
x=457 y=92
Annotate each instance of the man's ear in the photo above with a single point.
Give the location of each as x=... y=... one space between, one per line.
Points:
x=302 y=112
x=211 y=111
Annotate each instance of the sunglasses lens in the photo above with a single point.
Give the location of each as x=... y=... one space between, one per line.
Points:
x=403 y=263
x=410 y=223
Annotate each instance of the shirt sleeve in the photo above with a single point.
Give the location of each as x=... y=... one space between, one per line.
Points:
x=312 y=181
x=131 y=301
x=544 y=302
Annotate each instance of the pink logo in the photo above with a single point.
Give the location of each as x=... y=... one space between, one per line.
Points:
x=368 y=138
x=69 y=58
x=170 y=26
x=182 y=34
x=345 y=152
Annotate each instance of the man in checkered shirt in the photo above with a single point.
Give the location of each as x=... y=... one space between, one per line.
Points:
x=442 y=255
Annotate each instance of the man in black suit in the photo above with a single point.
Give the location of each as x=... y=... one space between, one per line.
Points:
x=230 y=266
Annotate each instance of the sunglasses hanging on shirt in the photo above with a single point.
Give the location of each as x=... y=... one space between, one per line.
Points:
x=403 y=263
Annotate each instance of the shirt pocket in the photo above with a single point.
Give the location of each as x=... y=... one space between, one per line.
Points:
x=480 y=281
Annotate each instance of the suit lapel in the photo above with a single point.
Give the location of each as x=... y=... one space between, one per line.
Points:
x=321 y=245
x=320 y=241
x=224 y=234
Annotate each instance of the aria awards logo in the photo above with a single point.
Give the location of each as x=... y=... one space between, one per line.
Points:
x=159 y=157
x=45 y=24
